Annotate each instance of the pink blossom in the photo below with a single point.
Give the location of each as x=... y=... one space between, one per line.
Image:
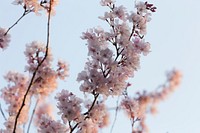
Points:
x=99 y=114
x=4 y=39
x=120 y=12
x=42 y=109
x=13 y=95
x=107 y=2
x=140 y=46
x=37 y=5
x=62 y=70
x=141 y=7
x=87 y=126
x=69 y=106
x=130 y=106
x=47 y=125
x=9 y=124
x=46 y=78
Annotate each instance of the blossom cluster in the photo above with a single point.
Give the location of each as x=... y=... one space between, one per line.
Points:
x=44 y=83
x=99 y=115
x=137 y=107
x=44 y=108
x=48 y=125
x=36 y=5
x=46 y=78
x=13 y=95
x=69 y=106
x=114 y=57
x=108 y=68
x=9 y=126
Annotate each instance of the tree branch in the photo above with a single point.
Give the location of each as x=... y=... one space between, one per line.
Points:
x=23 y=15
x=35 y=72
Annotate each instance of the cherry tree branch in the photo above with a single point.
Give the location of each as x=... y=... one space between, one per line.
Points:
x=23 y=15
x=132 y=32
x=86 y=113
x=36 y=70
x=93 y=103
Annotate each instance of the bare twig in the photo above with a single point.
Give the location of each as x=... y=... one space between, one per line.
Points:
x=29 y=125
x=3 y=113
x=35 y=72
x=116 y=112
x=23 y=15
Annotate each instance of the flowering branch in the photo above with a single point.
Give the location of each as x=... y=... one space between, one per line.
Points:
x=35 y=72
x=86 y=113
x=106 y=74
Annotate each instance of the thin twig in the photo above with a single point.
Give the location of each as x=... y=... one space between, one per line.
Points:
x=116 y=113
x=29 y=125
x=23 y=15
x=133 y=30
x=35 y=72
x=3 y=113
x=72 y=129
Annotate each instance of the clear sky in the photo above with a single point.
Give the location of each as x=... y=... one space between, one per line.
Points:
x=174 y=34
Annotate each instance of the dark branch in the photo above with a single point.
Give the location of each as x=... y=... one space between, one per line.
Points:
x=35 y=72
x=23 y=15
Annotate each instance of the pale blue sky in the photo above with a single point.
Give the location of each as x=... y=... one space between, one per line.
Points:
x=174 y=33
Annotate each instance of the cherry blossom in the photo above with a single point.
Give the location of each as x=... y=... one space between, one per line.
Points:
x=4 y=38
x=88 y=126
x=9 y=126
x=107 y=2
x=145 y=102
x=130 y=106
x=113 y=58
x=37 y=5
x=43 y=109
x=46 y=78
x=47 y=125
x=13 y=95
x=69 y=106
x=99 y=114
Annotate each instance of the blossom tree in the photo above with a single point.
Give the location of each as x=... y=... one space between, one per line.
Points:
x=113 y=57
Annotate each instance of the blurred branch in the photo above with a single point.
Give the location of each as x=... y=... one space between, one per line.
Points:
x=29 y=125
x=3 y=113
x=116 y=112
